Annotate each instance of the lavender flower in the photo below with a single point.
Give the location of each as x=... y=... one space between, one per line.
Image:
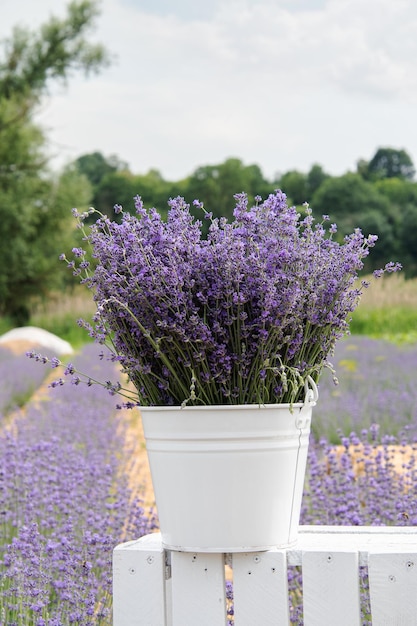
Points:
x=241 y=317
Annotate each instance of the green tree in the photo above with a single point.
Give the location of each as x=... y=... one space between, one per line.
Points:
x=389 y=163
x=300 y=187
x=345 y=198
x=95 y=166
x=399 y=192
x=387 y=247
x=402 y=197
x=120 y=187
x=315 y=178
x=215 y=186
x=295 y=185
x=353 y=202
x=155 y=191
x=110 y=179
x=115 y=188
x=34 y=204
x=407 y=237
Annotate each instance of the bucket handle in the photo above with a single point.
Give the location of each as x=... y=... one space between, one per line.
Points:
x=311 y=397
x=311 y=391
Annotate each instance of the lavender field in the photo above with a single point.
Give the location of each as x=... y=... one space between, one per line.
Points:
x=66 y=499
x=377 y=385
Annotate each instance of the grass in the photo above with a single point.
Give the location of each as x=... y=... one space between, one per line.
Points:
x=388 y=310
x=391 y=290
x=396 y=324
x=59 y=316
x=64 y=326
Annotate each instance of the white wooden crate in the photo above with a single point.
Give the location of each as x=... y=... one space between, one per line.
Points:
x=152 y=587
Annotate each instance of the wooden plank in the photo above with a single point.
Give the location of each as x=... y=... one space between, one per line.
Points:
x=357 y=530
x=198 y=589
x=260 y=588
x=393 y=585
x=362 y=539
x=330 y=557
x=331 y=588
x=139 y=583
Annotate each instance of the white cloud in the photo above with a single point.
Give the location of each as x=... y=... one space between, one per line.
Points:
x=328 y=82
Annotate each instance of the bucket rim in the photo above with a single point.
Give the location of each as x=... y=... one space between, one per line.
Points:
x=222 y=407
x=310 y=400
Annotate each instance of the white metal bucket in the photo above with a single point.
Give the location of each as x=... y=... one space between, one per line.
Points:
x=228 y=478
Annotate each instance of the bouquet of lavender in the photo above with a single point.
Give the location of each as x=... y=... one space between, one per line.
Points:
x=241 y=317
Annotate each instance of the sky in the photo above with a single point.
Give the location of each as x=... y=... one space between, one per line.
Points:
x=283 y=84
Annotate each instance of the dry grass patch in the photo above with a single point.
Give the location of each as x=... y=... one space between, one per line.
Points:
x=390 y=291
x=136 y=463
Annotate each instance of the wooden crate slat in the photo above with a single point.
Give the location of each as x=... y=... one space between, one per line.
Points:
x=363 y=539
x=154 y=587
x=260 y=588
x=393 y=588
x=331 y=588
x=198 y=589
x=139 y=583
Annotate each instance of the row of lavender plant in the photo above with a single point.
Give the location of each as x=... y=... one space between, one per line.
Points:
x=15 y=389
x=377 y=385
x=64 y=505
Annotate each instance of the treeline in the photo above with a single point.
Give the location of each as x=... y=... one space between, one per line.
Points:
x=380 y=197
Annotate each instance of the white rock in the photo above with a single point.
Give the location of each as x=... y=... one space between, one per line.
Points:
x=38 y=336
